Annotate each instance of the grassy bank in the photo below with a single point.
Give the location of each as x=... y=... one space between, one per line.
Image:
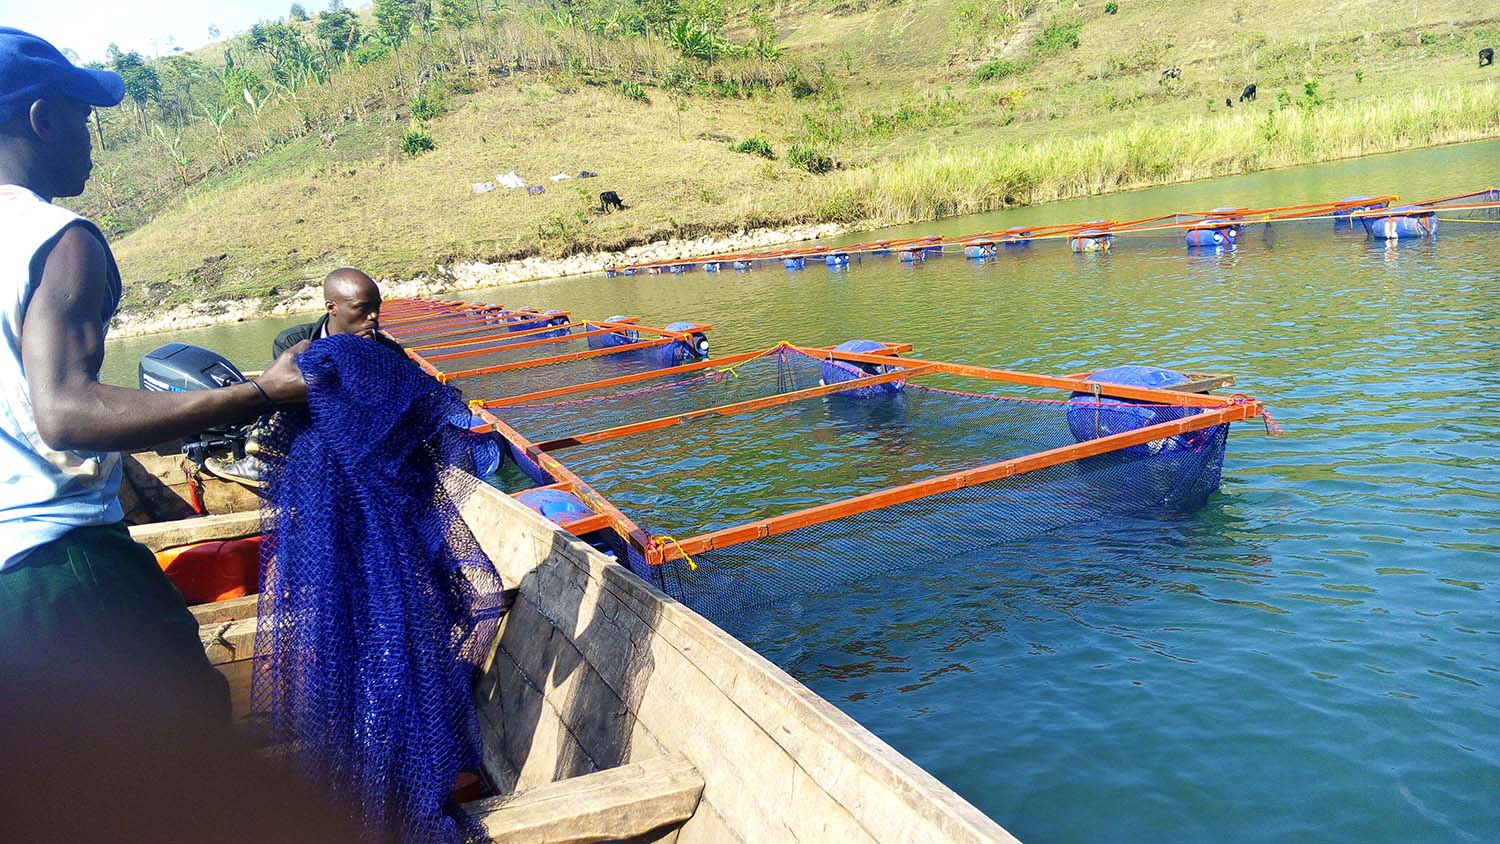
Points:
x=939 y=183
x=860 y=113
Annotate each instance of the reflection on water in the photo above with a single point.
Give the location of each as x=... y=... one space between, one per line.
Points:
x=1315 y=655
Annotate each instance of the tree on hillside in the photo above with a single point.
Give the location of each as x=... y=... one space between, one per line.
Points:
x=142 y=85
x=178 y=74
x=236 y=79
x=298 y=13
x=456 y=13
x=339 y=29
x=292 y=59
x=393 y=21
x=657 y=15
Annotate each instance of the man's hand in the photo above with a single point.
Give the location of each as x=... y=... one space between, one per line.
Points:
x=283 y=381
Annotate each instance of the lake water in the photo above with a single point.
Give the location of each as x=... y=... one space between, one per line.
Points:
x=1313 y=656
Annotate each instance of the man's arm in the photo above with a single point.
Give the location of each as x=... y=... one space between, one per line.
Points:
x=62 y=348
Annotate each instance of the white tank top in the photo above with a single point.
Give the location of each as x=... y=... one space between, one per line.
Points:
x=44 y=493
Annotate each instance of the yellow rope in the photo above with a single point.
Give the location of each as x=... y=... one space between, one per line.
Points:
x=1457 y=220
x=730 y=370
x=661 y=545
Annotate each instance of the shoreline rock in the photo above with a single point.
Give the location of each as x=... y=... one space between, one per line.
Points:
x=471 y=275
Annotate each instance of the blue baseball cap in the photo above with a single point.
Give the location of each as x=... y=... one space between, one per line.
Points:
x=31 y=68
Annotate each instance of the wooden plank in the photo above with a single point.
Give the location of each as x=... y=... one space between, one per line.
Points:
x=725 y=362
x=821 y=513
x=1029 y=379
x=496 y=335
x=234 y=609
x=618 y=804
x=572 y=356
x=1198 y=382
x=199 y=529
x=228 y=641
x=504 y=344
x=731 y=409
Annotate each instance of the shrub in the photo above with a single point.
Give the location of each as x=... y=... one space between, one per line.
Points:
x=370 y=53
x=431 y=101
x=633 y=91
x=1111 y=8
x=1310 y=97
x=996 y=69
x=755 y=145
x=417 y=140
x=1058 y=36
x=809 y=159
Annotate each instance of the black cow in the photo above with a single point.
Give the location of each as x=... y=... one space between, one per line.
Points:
x=1486 y=56
x=1170 y=73
x=608 y=201
x=1248 y=95
x=1228 y=103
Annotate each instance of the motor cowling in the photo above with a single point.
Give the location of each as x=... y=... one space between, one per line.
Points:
x=183 y=368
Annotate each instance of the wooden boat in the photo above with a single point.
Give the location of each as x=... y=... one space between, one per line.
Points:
x=612 y=712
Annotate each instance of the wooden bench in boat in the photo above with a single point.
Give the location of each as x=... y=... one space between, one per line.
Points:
x=630 y=802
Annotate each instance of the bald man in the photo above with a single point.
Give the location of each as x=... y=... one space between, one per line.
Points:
x=353 y=302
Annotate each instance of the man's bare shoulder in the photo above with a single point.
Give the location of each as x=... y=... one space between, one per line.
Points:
x=76 y=261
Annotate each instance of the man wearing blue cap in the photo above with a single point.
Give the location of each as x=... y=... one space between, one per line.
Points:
x=69 y=573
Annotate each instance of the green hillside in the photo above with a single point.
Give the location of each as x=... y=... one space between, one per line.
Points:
x=253 y=177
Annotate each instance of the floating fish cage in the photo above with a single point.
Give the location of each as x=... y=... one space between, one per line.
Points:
x=1219 y=229
x=758 y=476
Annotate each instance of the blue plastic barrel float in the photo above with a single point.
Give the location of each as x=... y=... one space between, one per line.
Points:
x=1342 y=218
x=1405 y=222
x=1090 y=418
x=618 y=337
x=711 y=266
x=557 y=318
x=880 y=247
x=795 y=262
x=566 y=509
x=631 y=271
x=911 y=255
x=1016 y=237
x=484 y=449
x=679 y=269
x=610 y=272
x=1215 y=231
x=561 y=507
x=682 y=351
x=979 y=250
x=839 y=371
x=932 y=245
x=742 y=266
x=1091 y=240
x=527 y=322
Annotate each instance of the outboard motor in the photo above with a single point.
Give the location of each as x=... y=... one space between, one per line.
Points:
x=181 y=368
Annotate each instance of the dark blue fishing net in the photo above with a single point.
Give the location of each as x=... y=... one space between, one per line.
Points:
x=377 y=605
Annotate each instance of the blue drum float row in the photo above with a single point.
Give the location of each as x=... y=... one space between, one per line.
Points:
x=1218 y=229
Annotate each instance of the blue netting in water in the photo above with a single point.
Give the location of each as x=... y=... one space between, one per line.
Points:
x=720 y=471
x=546 y=376
x=673 y=393
x=377 y=605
